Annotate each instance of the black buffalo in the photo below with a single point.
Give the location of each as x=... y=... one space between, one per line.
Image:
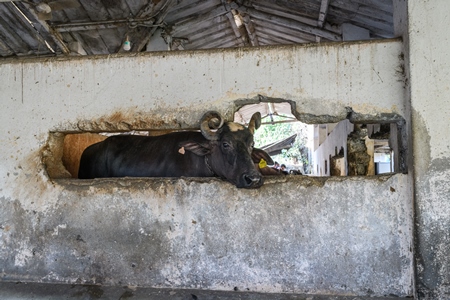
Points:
x=221 y=149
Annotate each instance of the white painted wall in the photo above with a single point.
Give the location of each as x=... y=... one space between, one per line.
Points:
x=337 y=139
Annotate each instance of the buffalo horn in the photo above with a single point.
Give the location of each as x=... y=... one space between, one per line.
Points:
x=255 y=122
x=211 y=120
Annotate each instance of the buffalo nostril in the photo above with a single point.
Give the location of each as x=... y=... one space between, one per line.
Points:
x=251 y=179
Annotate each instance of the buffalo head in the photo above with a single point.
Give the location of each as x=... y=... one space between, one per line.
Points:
x=228 y=149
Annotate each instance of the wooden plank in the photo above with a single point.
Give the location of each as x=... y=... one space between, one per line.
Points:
x=16 y=46
x=289 y=23
x=207 y=30
x=117 y=9
x=305 y=8
x=24 y=31
x=343 y=16
x=75 y=36
x=51 y=36
x=213 y=14
x=152 y=8
x=227 y=41
x=195 y=8
x=191 y=28
x=4 y=49
x=274 y=35
x=111 y=38
x=250 y=30
x=211 y=39
x=323 y=12
x=271 y=8
x=95 y=10
x=277 y=29
x=73 y=14
x=376 y=26
x=67 y=37
x=180 y=5
x=207 y=39
x=384 y=5
x=136 y=7
x=362 y=10
x=92 y=42
x=294 y=15
x=269 y=42
x=11 y=37
x=232 y=43
x=58 y=16
x=43 y=32
x=270 y=39
x=238 y=32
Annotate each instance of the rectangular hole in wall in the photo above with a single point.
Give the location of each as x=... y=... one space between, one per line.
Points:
x=344 y=148
x=326 y=149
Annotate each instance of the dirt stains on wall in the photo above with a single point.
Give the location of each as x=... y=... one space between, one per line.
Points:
x=52 y=154
x=130 y=120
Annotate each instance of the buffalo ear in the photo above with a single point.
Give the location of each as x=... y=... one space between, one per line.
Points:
x=255 y=122
x=258 y=154
x=200 y=149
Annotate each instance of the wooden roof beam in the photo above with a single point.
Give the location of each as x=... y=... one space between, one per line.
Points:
x=287 y=34
x=263 y=6
x=323 y=12
x=54 y=35
x=250 y=30
x=287 y=23
x=237 y=23
x=240 y=34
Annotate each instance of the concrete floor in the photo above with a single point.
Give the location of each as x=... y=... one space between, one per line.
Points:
x=41 y=291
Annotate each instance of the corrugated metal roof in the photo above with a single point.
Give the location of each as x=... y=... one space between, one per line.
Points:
x=89 y=27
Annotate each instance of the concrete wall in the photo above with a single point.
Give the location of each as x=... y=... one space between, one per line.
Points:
x=296 y=234
x=429 y=66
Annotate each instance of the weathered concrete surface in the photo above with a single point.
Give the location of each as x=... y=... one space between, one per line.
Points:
x=173 y=89
x=39 y=291
x=429 y=69
x=341 y=236
x=298 y=234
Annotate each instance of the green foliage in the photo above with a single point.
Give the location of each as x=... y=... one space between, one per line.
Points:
x=269 y=133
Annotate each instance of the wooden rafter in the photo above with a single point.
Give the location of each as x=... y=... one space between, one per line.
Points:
x=282 y=12
x=250 y=30
x=235 y=28
x=55 y=36
x=323 y=12
x=287 y=33
x=237 y=24
x=287 y=23
x=100 y=27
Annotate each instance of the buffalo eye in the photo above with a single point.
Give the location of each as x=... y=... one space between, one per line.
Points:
x=252 y=145
x=225 y=145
